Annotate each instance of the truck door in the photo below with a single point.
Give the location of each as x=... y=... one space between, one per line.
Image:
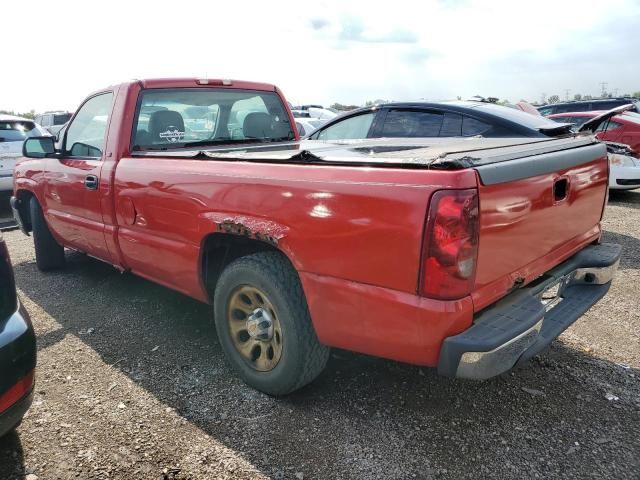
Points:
x=72 y=187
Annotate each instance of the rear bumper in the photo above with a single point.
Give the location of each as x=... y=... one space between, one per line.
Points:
x=9 y=419
x=17 y=361
x=624 y=178
x=525 y=322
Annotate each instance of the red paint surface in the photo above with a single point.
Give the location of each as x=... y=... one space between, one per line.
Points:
x=354 y=234
x=18 y=391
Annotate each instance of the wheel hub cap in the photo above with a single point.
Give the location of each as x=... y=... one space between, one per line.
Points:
x=254 y=328
x=260 y=325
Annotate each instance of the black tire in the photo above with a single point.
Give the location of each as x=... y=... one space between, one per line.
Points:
x=49 y=253
x=303 y=357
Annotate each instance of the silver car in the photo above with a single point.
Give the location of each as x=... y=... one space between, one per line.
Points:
x=13 y=132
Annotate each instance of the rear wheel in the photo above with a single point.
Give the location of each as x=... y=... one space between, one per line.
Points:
x=264 y=326
x=49 y=253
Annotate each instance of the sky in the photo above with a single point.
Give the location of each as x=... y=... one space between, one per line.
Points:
x=322 y=51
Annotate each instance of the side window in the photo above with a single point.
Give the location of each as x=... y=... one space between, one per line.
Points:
x=471 y=127
x=350 y=128
x=452 y=125
x=301 y=131
x=85 y=135
x=546 y=111
x=606 y=126
x=608 y=105
x=409 y=123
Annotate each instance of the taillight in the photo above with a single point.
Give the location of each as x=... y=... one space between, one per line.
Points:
x=450 y=248
x=16 y=392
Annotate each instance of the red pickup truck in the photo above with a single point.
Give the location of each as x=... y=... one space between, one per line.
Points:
x=469 y=255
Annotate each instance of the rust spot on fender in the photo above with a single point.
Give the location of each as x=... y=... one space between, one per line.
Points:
x=262 y=230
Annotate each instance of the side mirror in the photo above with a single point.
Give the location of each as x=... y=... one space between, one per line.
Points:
x=38 y=147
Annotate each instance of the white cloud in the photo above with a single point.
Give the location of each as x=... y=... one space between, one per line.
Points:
x=324 y=51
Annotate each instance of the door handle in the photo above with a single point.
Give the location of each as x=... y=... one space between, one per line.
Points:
x=91 y=182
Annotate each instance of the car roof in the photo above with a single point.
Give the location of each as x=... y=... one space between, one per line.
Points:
x=482 y=109
x=14 y=118
x=212 y=82
x=594 y=100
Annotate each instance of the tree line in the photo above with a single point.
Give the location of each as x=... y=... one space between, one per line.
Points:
x=577 y=97
x=30 y=114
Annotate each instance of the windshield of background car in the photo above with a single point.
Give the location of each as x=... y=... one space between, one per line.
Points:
x=18 y=130
x=169 y=118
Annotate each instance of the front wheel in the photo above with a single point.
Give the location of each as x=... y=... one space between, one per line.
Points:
x=264 y=326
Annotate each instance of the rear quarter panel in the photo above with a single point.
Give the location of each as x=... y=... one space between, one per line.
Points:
x=359 y=224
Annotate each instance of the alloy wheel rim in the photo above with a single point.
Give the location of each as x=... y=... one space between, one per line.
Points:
x=254 y=327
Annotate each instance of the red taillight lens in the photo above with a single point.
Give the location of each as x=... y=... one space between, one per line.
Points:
x=16 y=392
x=450 y=244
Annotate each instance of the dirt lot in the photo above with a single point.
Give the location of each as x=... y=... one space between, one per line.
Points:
x=132 y=384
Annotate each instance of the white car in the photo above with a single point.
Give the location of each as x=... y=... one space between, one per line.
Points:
x=13 y=132
x=624 y=167
x=306 y=126
x=321 y=113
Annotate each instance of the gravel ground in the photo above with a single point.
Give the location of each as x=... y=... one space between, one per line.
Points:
x=132 y=384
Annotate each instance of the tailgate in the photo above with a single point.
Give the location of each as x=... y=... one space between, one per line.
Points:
x=535 y=212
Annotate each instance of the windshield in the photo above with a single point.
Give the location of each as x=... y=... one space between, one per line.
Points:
x=169 y=118
x=19 y=130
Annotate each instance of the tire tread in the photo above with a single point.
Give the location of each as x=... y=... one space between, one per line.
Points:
x=277 y=267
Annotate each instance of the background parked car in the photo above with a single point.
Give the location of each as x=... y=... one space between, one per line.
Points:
x=450 y=119
x=13 y=131
x=589 y=105
x=53 y=121
x=17 y=350
x=321 y=113
x=623 y=128
x=624 y=167
x=307 y=126
x=622 y=136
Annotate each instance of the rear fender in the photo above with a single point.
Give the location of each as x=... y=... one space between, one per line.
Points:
x=253 y=234
x=249 y=226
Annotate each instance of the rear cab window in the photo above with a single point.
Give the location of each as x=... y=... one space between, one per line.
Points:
x=171 y=118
